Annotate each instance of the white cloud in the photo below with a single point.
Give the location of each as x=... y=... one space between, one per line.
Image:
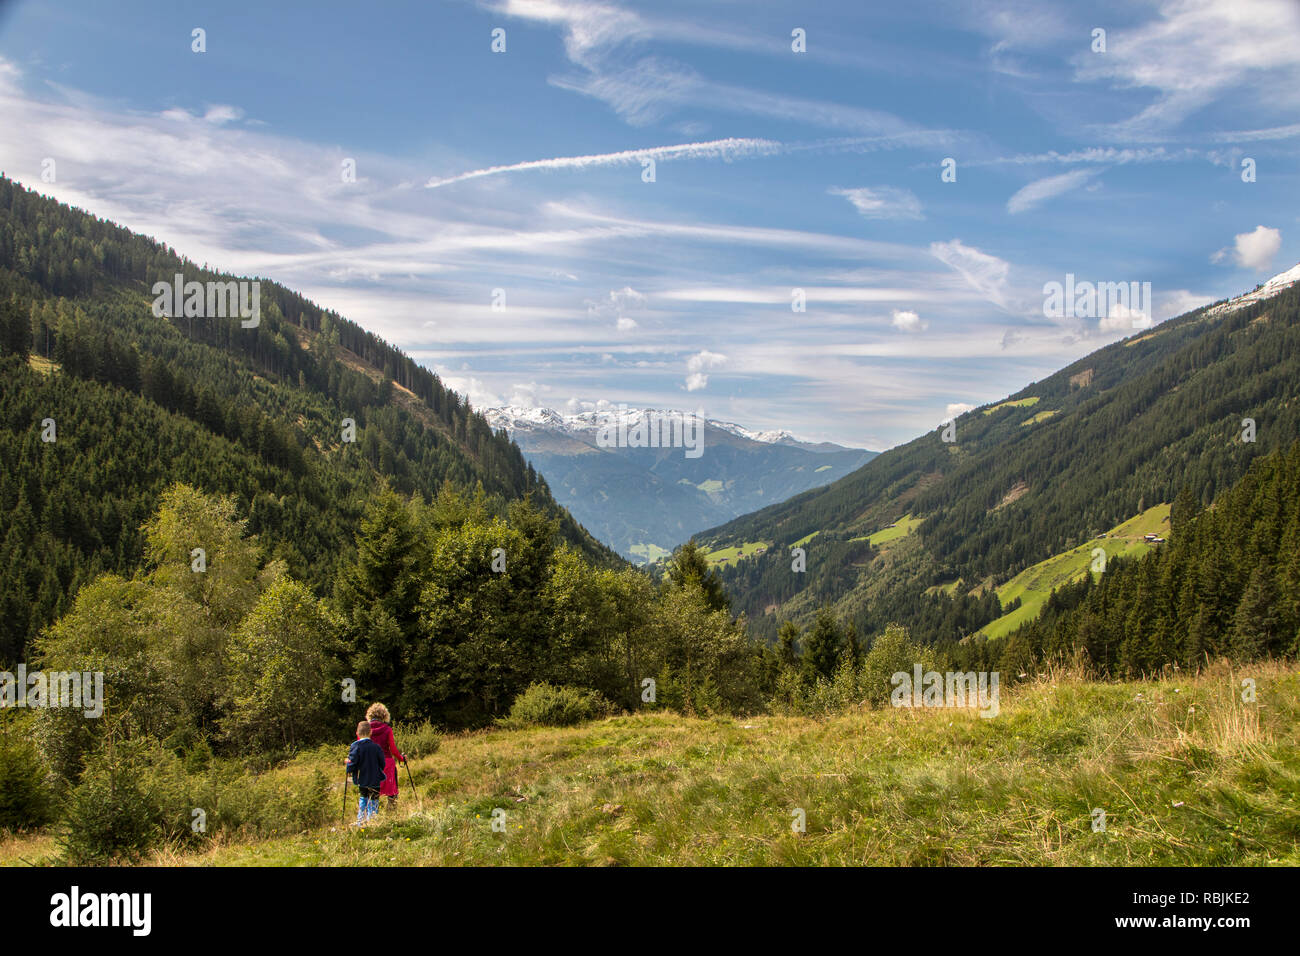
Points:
x=626 y=297
x=1123 y=319
x=524 y=395
x=957 y=408
x=1252 y=250
x=696 y=366
x=1180 y=302
x=617 y=302
x=475 y=390
x=882 y=202
x=908 y=321
x=9 y=75
x=1041 y=190
x=223 y=114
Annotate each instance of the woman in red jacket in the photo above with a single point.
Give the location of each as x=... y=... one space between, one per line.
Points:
x=382 y=734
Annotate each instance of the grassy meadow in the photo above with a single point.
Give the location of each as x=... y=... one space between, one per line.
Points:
x=1185 y=771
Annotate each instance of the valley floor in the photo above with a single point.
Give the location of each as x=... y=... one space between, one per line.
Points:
x=1184 y=770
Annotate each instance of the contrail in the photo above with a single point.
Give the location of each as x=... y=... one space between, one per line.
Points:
x=727 y=149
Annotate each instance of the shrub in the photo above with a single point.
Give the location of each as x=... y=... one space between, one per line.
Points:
x=549 y=705
x=143 y=796
x=269 y=804
x=892 y=652
x=24 y=792
x=108 y=814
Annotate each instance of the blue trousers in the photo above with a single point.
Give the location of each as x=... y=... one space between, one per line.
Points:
x=368 y=804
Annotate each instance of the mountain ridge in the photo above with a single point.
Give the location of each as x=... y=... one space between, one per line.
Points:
x=142 y=401
x=1114 y=432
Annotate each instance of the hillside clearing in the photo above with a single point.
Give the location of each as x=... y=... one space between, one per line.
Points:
x=1035 y=584
x=734 y=553
x=899 y=529
x=1018 y=403
x=1040 y=417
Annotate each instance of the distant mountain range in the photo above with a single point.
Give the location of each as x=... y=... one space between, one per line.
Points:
x=644 y=501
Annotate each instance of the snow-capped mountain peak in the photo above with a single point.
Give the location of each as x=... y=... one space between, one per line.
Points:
x=512 y=417
x=769 y=437
x=1272 y=287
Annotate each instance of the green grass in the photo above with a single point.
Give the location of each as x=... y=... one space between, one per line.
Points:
x=732 y=553
x=43 y=365
x=805 y=539
x=1186 y=773
x=1041 y=416
x=1034 y=584
x=710 y=486
x=651 y=552
x=822 y=468
x=1018 y=403
x=902 y=527
x=949 y=589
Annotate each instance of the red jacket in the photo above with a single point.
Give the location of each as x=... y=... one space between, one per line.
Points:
x=382 y=734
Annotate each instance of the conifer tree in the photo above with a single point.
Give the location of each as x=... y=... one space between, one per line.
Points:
x=822 y=647
x=1255 y=629
x=689 y=568
x=787 y=645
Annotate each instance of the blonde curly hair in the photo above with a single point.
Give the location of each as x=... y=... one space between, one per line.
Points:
x=377 y=712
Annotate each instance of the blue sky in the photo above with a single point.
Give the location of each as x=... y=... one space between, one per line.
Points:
x=775 y=170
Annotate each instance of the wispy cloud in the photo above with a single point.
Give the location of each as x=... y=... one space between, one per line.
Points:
x=649 y=89
x=1197 y=51
x=1041 y=190
x=1107 y=155
x=882 y=202
x=725 y=149
x=985 y=273
x=1256 y=135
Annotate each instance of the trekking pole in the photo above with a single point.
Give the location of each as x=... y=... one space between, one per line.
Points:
x=411 y=779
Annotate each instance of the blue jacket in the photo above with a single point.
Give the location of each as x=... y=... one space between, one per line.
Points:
x=366 y=763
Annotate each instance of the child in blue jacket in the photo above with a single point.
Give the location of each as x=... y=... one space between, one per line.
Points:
x=366 y=765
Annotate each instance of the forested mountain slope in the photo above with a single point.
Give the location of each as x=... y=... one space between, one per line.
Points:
x=1227 y=584
x=1125 y=428
x=138 y=402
